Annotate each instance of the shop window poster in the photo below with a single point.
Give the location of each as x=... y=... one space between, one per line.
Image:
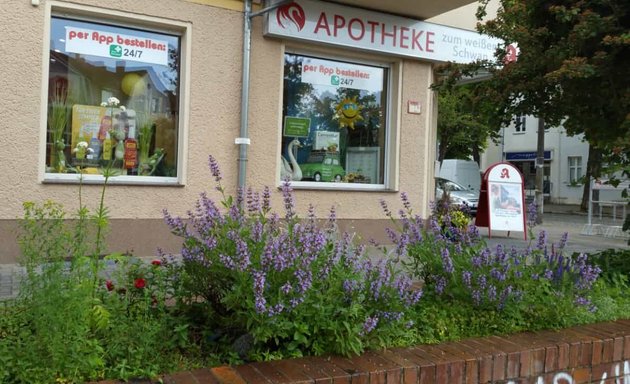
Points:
x=345 y=103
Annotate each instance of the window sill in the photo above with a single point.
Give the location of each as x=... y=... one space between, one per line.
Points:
x=519 y=133
x=332 y=186
x=65 y=178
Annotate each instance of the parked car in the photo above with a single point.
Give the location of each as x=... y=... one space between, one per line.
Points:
x=459 y=195
x=323 y=166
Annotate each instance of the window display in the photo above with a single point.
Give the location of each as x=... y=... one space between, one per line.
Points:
x=335 y=121
x=113 y=100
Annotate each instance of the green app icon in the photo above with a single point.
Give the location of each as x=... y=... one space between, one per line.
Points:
x=334 y=80
x=115 y=50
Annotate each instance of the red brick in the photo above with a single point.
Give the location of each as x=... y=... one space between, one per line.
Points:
x=441 y=373
x=597 y=352
x=538 y=362
x=357 y=374
x=322 y=371
x=617 y=348
x=204 y=376
x=411 y=375
x=581 y=376
x=626 y=347
x=526 y=363
x=427 y=374
x=485 y=369
x=227 y=375
x=270 y=372
x=184 y=377
x=456 y=372
x=586 y=352
x=498 y=367
x=472 y=372
x=292 y=371
x=251 y=375
x=513 y=365
x=574 y=354
x=394 y=376
x=563 y=356
x=607 y=351
x=408 y=369
x=551 y=359
x=602 y=371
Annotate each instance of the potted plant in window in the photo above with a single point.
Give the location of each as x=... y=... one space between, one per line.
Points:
x=58 y=117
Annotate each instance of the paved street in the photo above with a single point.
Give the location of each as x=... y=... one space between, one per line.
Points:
x=561 y=219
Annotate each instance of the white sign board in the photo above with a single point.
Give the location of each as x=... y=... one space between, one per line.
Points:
x=505 y=198
x=345 y=75
x=323 y=22
x=116 y=46
x=326 y=139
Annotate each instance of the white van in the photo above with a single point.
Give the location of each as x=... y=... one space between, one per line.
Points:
x=463 y=172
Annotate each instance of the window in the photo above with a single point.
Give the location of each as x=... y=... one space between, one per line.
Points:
x=520 y=124
x=335 y=132
x=575 y=169
x=113 y=101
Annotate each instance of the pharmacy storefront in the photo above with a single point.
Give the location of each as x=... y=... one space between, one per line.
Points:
x=338 y=102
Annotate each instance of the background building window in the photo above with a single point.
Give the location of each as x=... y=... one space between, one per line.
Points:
x=334 y=121
x=520 y=123
x=575 y=169
x=136 y=73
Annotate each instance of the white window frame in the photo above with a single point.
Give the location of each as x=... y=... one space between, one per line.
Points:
x=574 y=169
x=520 y=124
x=393 y=123
x=125 y=20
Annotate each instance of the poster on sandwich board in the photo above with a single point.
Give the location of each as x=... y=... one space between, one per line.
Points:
x=504 y=206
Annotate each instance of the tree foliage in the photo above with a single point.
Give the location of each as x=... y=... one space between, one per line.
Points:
x=572 y=66
x=464 y=126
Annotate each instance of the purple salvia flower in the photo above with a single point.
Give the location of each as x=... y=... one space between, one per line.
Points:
x=214 y=168
x=385 y=208
x=286 y=288
x=482 y=282
x=492 y=293
x=405 y=201
x=532 y=214
x=260 y=304
x=266 y=199
x=370 y=324
x=476 y=296
x=542 y=240
x=466 y=278
x=440 y=285
x=287 y=197
x=227 y=261
x=447 y=262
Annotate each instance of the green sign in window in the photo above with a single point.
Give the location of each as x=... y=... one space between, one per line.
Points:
x=296 y=126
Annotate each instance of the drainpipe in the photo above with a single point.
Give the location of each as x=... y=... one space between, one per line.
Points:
x=243 y=140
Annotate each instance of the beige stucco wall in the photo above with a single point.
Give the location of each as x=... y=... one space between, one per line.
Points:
x=213 y=116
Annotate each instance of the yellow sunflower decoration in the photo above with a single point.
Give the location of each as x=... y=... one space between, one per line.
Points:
x=348 y=112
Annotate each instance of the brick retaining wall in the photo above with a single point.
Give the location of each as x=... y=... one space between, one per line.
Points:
x=596 y=353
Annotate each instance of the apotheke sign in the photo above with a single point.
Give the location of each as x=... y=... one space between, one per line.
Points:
x=357 y=28
x=116 y=46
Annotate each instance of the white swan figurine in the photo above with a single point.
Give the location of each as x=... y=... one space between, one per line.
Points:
x=292 y=170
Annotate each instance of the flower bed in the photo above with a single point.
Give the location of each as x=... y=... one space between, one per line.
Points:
x=254 y=285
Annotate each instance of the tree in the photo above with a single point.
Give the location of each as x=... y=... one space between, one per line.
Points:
x=572 y=68
x=463 y=124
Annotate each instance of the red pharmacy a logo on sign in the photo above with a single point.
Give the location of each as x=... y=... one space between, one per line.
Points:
x=291 y=13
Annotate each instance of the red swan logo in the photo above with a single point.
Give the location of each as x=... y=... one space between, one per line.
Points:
x=293 y=13
x=510 y=55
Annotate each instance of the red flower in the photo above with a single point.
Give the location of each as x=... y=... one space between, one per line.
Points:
x=110 y=285
x=157 y=263
x=139 y=283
